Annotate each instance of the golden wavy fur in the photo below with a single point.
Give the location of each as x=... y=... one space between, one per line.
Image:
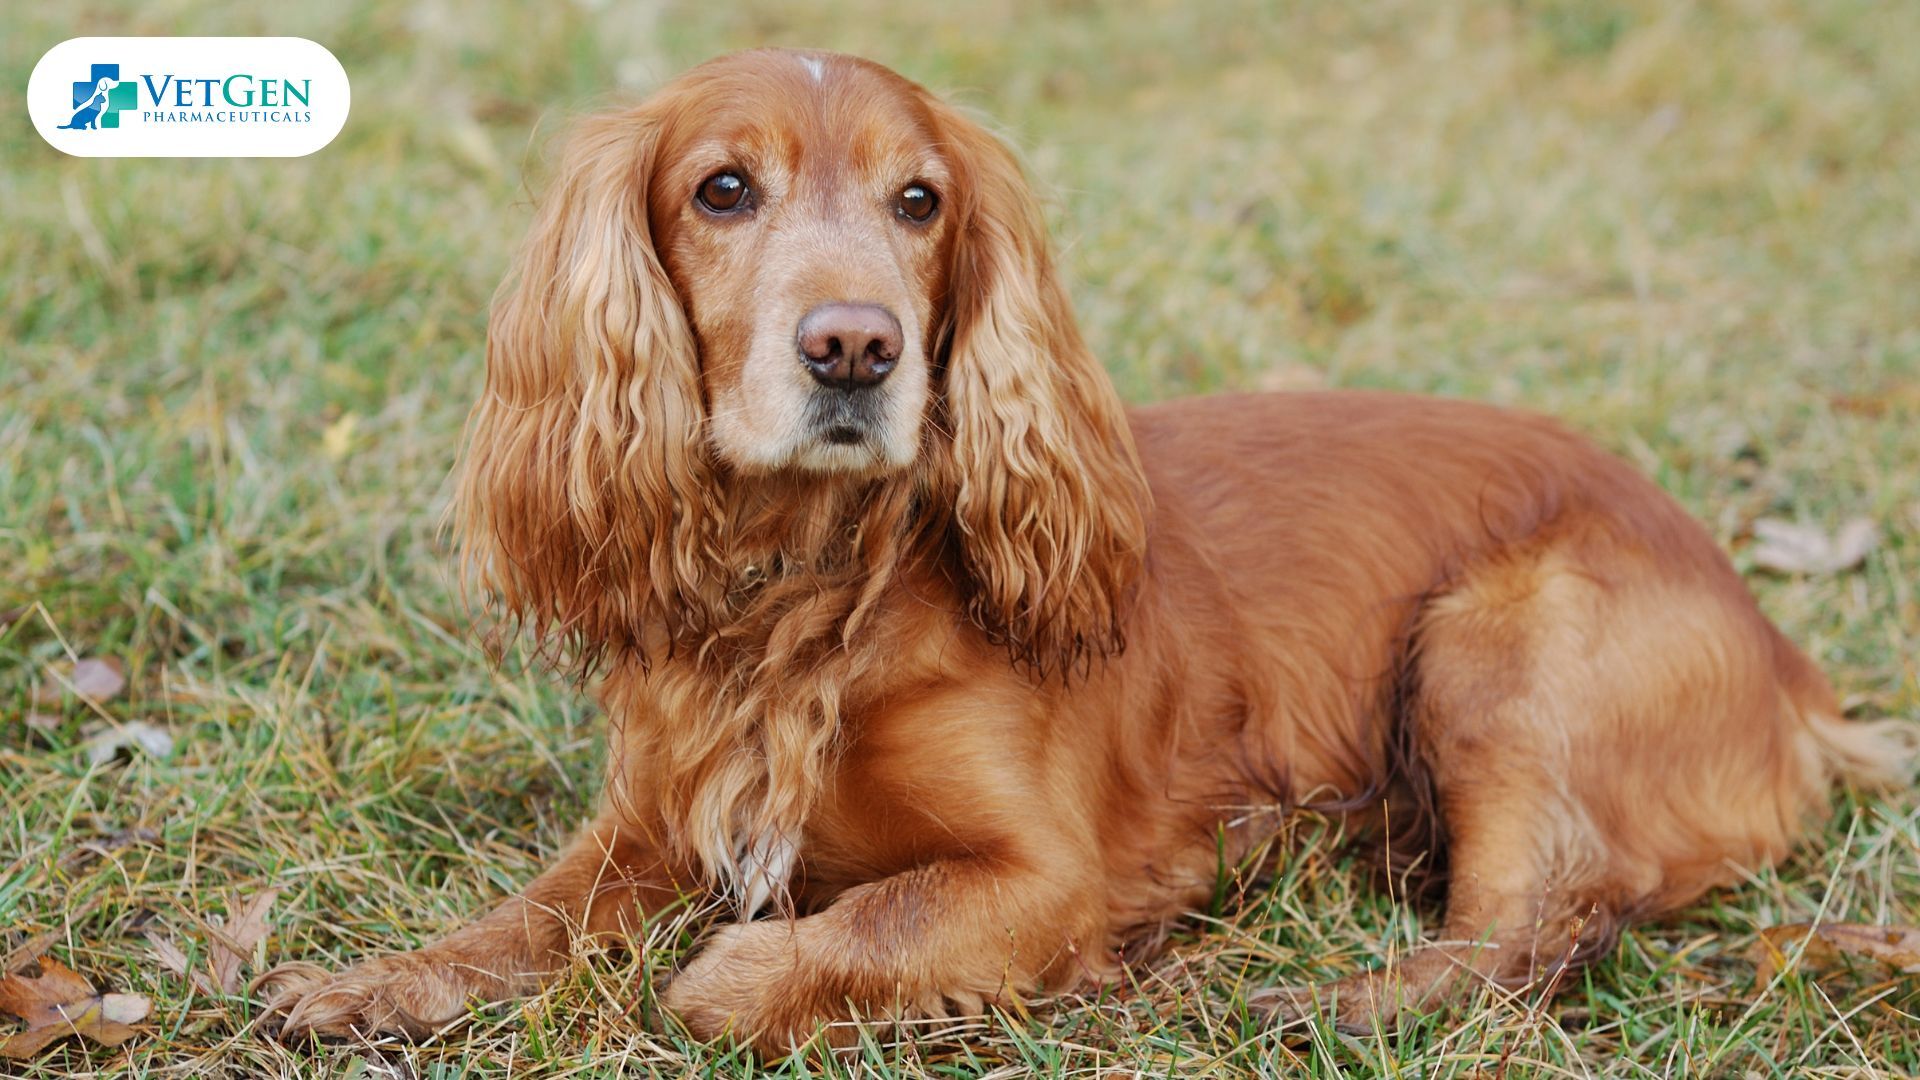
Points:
x=972 y=672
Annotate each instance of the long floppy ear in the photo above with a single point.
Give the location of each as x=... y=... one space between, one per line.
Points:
x=1049 y=500
x=579 y=489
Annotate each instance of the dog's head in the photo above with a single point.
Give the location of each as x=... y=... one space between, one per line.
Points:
x=792 y=269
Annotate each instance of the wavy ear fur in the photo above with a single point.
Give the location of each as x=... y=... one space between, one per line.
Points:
x=1049 y=500
x=580 y=491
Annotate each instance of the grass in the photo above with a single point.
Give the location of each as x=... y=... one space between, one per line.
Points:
x=230 y=392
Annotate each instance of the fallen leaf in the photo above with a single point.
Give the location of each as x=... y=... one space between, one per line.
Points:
x=229 y=946
x=107 y=744
x=1791 y=548
x=96 y=679
x=175 y=961
x=232 y=944
x=28 y=949
x=1828 y=945
x=40 y=721
x=337 y=439
x=171 y=957
x=60 y=1003
x=99 y=678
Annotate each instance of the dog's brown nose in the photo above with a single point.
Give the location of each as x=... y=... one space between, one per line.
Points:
x=850 y=346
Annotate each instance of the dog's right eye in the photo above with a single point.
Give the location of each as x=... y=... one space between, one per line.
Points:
x=723 y=193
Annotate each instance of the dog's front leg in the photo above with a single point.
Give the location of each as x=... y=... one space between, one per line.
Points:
x=943 y=939
x=604 y=883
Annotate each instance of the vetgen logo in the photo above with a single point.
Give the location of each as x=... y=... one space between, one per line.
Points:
x=99 y=100
x=188 y=97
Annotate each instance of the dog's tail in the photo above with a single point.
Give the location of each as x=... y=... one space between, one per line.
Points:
x=1871 y=753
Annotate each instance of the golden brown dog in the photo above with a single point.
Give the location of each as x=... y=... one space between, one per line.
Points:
x=914 y=641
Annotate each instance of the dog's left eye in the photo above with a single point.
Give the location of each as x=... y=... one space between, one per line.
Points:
x=723 y=193
x=917 y=203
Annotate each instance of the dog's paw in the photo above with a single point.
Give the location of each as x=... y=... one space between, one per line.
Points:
x=755 y=982
x=412 y=994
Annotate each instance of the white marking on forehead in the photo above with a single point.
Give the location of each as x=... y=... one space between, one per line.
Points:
x=815 y=65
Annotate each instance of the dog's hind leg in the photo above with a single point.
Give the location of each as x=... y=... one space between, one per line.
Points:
x=1606 y=737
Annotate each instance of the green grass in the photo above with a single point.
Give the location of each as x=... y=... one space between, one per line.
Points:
x=1690 y=229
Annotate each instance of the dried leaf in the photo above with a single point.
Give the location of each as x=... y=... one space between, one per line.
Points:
x=96 y=679
x=40 y=721
x=20 y=954
x=99 y=678
x=337 y=439
x=175 y=961
x=1829 y=945
x=60 y=1003
x=170 y=956
x=1790 y=548
x=107 y=744
x=231 y=945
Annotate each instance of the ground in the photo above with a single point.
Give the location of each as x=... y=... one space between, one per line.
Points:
x=230 y=393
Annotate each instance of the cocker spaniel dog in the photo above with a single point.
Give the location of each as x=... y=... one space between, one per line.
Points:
x=916 y=644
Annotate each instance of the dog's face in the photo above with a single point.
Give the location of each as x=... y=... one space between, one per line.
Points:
x=797 y=205
x=785 y=275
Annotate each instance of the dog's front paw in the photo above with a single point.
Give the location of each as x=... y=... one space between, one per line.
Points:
x=413 y=994
x=753 y=980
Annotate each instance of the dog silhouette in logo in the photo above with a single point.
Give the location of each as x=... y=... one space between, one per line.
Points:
x=99 y=99
x=86 y=117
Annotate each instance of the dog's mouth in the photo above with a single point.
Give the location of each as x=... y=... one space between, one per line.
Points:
x=843 y=419
x=865 y=433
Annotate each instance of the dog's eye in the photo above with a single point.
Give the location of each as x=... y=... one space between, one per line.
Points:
x=723 y=193
x=918 y=203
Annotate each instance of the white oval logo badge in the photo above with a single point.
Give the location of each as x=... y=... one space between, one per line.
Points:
x=188 y=97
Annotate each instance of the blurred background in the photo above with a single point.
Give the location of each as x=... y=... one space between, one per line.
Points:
x=231 y=390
